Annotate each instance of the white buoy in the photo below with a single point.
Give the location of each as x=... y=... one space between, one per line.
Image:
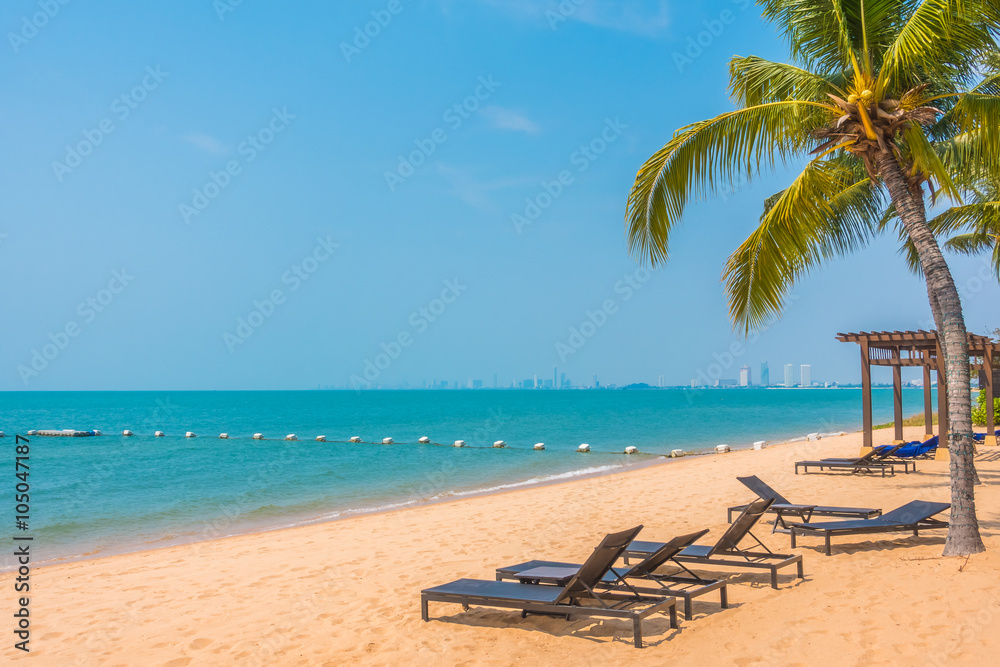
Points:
x=760 y=444
x=539 y=446
x=258 y=436
x=97 y=432
x=583 y=448
x=424 y=440
x=499 y=444
x=676 y=453
x=388 y=441
x=722 y=449
x=356 y=439
x=32 y=432
x=813 y=436
x=2 y=434
x=320 y=438
x=224 y=436
x=189 y=434
x=159 y=434
x=126 y=433
x=631 y=450
x=291 y=436
x=459 y=443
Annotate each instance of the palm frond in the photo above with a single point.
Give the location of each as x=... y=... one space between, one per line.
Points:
x=927 y=161
x=829 y=210
x=974 y=112
x=754 y=81
x=939 y=42
x=816 y=30
x=705 y=156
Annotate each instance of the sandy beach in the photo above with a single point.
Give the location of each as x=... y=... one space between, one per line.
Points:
x=348 y=591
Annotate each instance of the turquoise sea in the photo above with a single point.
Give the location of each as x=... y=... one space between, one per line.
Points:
x=107 y=494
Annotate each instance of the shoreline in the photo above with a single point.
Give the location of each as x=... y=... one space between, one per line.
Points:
x=166 y=542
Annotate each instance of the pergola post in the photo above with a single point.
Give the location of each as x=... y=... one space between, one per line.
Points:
x=897 y=399
x=991 y=438
x=943 y=453
x=920 y=348
x=928 y=405
x=866 y=399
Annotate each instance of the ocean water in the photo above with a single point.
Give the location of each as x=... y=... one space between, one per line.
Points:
x=107 y=494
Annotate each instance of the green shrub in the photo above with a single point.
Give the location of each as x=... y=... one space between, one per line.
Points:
x=979 y=412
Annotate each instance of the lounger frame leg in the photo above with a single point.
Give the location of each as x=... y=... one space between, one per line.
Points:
x=423 y=609
x=723 y=598
x=774 y=577
x=637 y=632
x=828 y=544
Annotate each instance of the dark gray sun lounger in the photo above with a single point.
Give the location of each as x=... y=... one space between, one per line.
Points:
x=885 y=455
x=579 y=597
x=916 y=516
x=785 y=508
x=686 y=587
x=869 y=463
x=727 y=551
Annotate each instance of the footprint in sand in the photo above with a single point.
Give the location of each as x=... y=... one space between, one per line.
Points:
x=177 y=662
x=199 y=643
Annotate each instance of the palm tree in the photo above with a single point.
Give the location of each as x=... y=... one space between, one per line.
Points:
x=878 y=91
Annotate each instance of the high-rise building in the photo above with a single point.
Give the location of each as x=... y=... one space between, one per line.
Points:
x=477 y=384
x=765 y=375
x=805 y=375
x=661 y=383
x=596 y=383
x=536 y=385
x=562 y=380
x=745 y=379
x=555 y=377
x=789 y=380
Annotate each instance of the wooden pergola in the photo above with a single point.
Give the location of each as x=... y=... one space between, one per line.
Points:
x=920 y=349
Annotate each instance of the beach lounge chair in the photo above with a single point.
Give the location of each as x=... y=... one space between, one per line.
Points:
x=870 y=463
x=885 y=455
x=686 y=587
x=917 y=515
x=980 y=437
x=579 y=597
x=727 y=551
x=914 y=450
x=784 y=508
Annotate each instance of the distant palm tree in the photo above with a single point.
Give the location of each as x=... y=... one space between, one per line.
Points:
x=890 y=97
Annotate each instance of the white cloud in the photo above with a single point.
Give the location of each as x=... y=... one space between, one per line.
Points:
x=207 y=143
x=508 y=119
x=641 y=17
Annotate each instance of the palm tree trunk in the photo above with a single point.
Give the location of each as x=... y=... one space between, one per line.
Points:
x=963 y=533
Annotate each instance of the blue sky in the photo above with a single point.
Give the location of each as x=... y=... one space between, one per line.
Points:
x=259 y=195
